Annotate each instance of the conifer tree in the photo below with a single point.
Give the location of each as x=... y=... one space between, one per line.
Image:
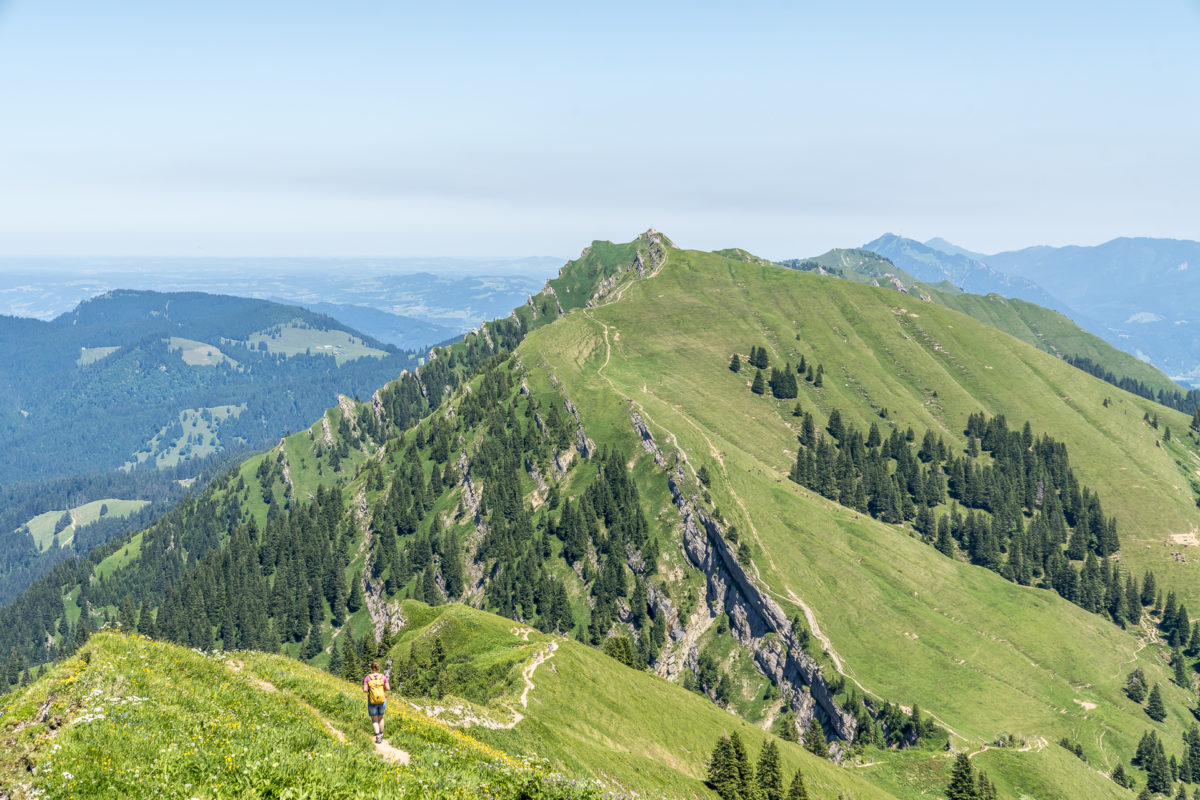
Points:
x=336 y=660
x=1177 y=665
x=745 y=771
x=962 y=780
x=797 y=790
x=770 y=776
x=1154 y=705
x=759 y=386
x=351 y=669
x=735 y=363
x=814 y=739
x=1158 y=772
x=945 y=542
x=787 y=725
x=146 y=619
x=723 y=771
x=451 y=564
x=1149 y=588
x=1135 y=685
x=355 y=601
x=984 y=788
x=1119 y=776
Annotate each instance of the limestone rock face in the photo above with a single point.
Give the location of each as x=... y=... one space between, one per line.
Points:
x=756 y=620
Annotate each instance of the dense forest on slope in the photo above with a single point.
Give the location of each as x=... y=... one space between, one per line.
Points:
x=611 y=479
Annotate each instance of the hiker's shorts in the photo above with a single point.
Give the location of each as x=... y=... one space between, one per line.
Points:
x=376 y=709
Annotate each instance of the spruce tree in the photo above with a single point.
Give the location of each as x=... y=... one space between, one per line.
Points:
x=787 y=725
x=1158 y=772
x=770 y=776
x=1177 y=665
x=146 y=620
x=745 y=771
x=1149 y=588
x=759 y=386
x=1135 y=685
x=351 y=669
x=814 y=739
x=336 y=660
x=355 y=601
x=723 y=771
x=984 y=788
x=945 y=542
x=1154 y=705
x=962 y=780
x=735 y=363
x=1120 y=778
x=797 y=790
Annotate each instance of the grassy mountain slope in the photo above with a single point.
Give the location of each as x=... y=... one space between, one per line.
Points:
x=128 y=717
x=986 y=656
x=928 y=366
x=595 y=716
x=1031 y=323
x=483 y=482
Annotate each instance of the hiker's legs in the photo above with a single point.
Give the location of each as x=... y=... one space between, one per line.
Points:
x=377 y=724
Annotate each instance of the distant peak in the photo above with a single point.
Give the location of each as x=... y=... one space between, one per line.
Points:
x=651 y=235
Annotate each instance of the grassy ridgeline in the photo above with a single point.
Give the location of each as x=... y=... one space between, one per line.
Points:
x=129 y=717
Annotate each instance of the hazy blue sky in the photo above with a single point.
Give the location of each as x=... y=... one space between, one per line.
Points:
x=368 y=128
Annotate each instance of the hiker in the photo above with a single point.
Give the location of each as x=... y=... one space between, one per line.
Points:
x=376 y=687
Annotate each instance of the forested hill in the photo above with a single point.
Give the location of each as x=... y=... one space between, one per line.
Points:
x=158 y=382
x=848 y=516
x=104 y=385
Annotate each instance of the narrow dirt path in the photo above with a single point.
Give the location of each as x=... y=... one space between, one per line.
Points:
x=393 y=755
x=531 y=667
x=464 y=716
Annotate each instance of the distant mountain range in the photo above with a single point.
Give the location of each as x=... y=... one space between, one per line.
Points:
x=1138 y=294
x=411 y=303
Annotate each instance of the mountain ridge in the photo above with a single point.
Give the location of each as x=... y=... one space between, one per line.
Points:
x=505 y=443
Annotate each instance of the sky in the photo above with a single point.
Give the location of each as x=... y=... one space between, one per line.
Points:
x=464 y=129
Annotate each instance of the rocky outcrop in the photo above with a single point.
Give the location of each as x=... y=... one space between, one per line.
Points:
x=649 y=256
x=548 y=290
x=471 y=496
x=756 y=620
x=658 y=600
x=377 y=406
x=583 y=444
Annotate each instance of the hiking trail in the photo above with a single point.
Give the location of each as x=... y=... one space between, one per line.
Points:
x=390 y=754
